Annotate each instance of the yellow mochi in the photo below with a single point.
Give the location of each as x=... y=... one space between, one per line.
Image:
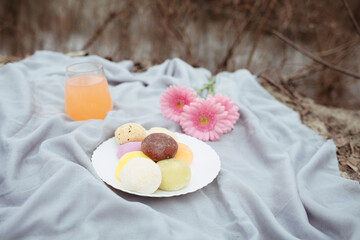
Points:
x=125 y=159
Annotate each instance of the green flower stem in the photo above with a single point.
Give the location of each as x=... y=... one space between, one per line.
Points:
x=210 y=87
x=205 y=86
x=213 y=88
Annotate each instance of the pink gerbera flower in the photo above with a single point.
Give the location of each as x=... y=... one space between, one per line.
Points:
x=173 y=100
x=204 y=120
x=231 y=108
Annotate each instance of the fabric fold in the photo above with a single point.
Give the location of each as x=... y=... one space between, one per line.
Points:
x=278 y=178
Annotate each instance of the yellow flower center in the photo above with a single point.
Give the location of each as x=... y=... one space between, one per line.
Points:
x=204 y=121
x=180 y=105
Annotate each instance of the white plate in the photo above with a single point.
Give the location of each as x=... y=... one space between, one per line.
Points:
x=204 y=167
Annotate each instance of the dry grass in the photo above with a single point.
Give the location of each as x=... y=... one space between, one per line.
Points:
x=340 y=125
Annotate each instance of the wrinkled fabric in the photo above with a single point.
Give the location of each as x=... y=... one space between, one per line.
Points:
x=278 y=179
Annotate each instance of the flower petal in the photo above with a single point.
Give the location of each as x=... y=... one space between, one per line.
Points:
x=174 y=100
x=204 y=120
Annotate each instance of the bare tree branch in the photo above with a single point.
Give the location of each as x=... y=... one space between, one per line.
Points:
x=344 y=47
x=278 y=86
x=356 y=25
x=230 y=52
x=258 y=32
x=101 y=29
x=315 y=58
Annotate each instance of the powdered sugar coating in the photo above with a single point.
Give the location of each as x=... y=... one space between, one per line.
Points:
x=159 y=146
x=141 y=175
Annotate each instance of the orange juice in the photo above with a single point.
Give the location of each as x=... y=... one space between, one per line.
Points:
x=87 y=97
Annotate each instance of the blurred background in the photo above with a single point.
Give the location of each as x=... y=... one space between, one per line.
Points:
x=222 y=35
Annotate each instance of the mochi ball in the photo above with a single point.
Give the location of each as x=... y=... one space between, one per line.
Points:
x=141 y=175
x=175 y=174
x=130 y=132
x=162 y=130
x=159 y=146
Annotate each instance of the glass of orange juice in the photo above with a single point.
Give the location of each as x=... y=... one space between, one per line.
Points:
x=87 y=94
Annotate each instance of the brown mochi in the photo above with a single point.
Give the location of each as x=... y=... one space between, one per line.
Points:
x=159 y=146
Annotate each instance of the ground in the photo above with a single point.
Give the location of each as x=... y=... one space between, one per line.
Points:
x=340 y=125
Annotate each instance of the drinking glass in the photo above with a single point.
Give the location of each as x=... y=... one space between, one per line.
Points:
x=87 y=94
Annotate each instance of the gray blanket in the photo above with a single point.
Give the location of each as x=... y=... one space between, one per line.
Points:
x=278 y=179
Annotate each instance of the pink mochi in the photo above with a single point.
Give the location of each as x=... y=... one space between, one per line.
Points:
x=128 y=147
